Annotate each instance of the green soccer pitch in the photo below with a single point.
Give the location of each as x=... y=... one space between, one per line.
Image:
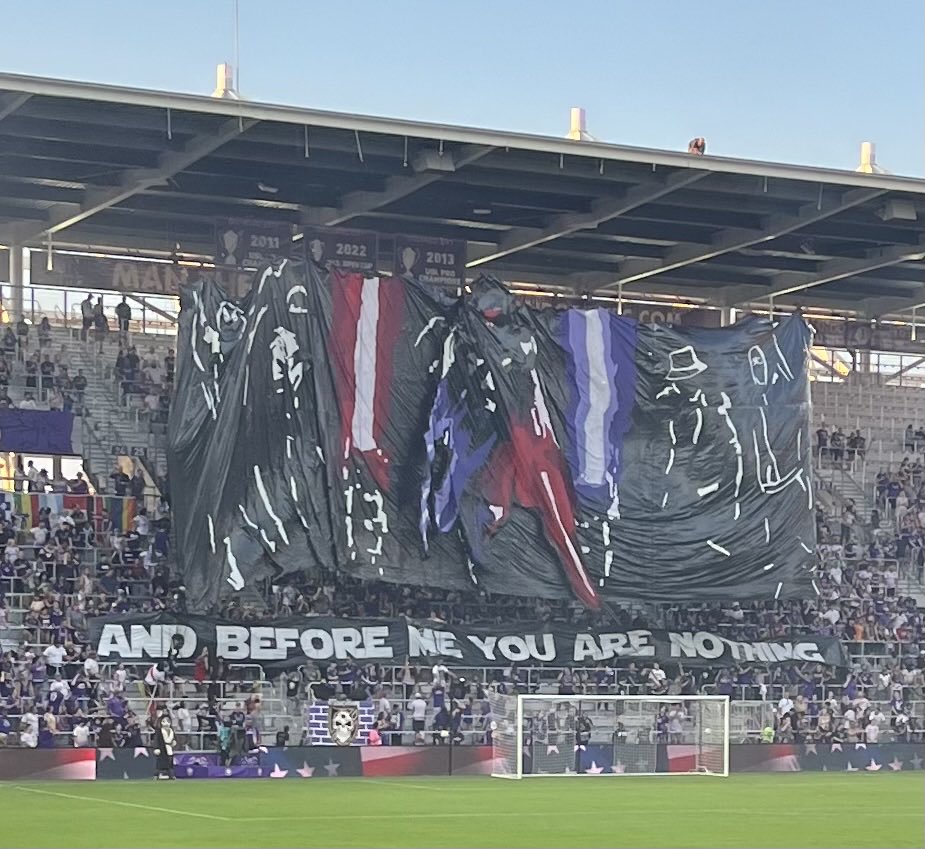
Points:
x=806 y=810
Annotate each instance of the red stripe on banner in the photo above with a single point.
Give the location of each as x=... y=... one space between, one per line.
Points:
x=346 y=290
x=390 y=329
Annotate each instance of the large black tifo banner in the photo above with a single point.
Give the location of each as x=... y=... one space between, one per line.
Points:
x=376 y=426
x=290 y=641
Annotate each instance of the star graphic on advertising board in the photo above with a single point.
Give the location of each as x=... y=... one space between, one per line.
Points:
x=916 y=762
x=259 y=772
x=619 y=767
x=594 y=769
x=850 y=768
x=860 y=746
x=825 y=768
x=550 y=750
x=811 y=749
x=189 y=770
x=873 y=766
x=125 y=776
x=306 y=771
x=278 y=773
x=579 y=748
x=141 y=752
x=836 y=747
x=106 y=754
x=896 y=764
x=331 y=768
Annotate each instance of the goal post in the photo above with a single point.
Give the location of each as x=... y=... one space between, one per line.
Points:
x=535 y=735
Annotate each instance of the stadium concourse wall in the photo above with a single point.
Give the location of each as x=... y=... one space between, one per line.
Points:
x=323 y=762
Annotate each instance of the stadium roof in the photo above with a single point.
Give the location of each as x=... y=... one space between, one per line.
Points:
x=133 y=171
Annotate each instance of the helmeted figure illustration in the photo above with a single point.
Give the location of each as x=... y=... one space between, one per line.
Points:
x=490 y=420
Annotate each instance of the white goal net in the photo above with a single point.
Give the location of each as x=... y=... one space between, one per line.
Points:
x=609 y=735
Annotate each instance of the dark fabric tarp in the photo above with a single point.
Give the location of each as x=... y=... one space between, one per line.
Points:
x=37 y=432
x=372 y=425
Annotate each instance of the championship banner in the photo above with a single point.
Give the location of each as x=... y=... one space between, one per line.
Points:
x=291 y=641
x=434 y=262
x=867 y=336
x=248 y=244
x=347 y=250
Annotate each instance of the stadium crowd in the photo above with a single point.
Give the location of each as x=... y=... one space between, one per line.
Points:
x=52 y=687
x=834 y=446
x=44 y=378
x=63 y=569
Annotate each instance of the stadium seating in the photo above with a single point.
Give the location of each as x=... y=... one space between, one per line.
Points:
x=870 y=580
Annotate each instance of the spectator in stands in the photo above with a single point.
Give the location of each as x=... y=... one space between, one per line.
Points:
x=79 y=485
x=137 y=484
x=124 y=316
x=32 y=371
x=9 y=341
x=132 y=360
x=20 y=481
x=22 y=334
x=170 y=364
x=86 y=316
x=44 y=331
x=100 y=323
x=32 y=474
x=47 y=371
x=5 y=401
x=120 y=481
x=656 y=680
x=837 y=442
x=79 y=385
x=151 y=403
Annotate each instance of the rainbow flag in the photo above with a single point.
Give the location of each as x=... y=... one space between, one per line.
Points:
x=121 y=510
x=28 y=504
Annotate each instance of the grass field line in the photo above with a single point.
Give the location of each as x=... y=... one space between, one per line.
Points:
x=890 y=812
x=391 y=783
x=99 y=801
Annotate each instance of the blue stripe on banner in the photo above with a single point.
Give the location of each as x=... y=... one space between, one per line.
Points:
x=603 y=370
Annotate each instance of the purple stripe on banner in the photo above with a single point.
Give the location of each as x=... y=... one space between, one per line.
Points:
x=603 y=371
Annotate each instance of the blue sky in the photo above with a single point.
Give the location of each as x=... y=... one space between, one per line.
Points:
x=790 y=80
